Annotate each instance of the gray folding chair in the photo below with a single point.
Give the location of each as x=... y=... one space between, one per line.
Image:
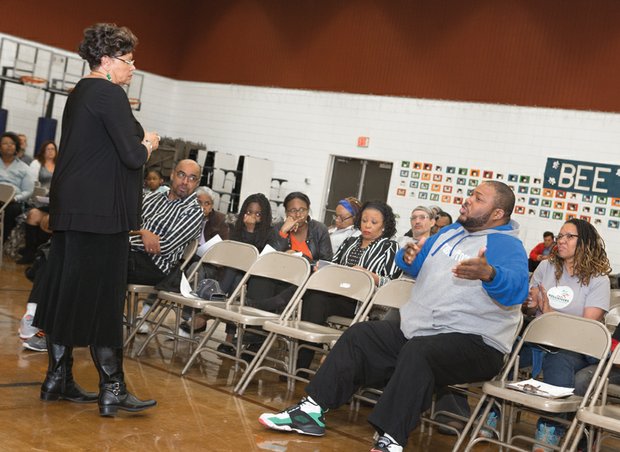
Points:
x=556 y=330
x=226 y=253
x=276 y=266
x=138 y=292
x=602 y=414
x=349 y=282
x=7 y=192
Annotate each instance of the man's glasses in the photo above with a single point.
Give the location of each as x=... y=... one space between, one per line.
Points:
x=127 y=62
x=189 y=177
x=338 y=218
x=301 y=210
x=567 y=236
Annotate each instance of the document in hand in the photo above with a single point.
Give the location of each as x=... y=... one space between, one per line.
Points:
x=539 y=388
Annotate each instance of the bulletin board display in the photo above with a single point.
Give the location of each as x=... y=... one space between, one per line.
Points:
x=428 y=183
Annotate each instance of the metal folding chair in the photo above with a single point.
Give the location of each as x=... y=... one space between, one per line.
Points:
x=555 y=330
x=276 y=266
x=7 y=192
x=352 y=283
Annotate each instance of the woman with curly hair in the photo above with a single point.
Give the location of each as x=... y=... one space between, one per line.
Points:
x=372 y=251
x=95 y=198
x=572 y=281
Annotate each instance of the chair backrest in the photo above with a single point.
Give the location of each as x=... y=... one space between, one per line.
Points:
x=229 y=253
x=394 y=294
x=6 y=195
x=283 y=267
x=339 y=280
x=568 y=332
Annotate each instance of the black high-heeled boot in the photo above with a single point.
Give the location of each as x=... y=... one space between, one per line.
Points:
x=59 y=383
x=113 y=394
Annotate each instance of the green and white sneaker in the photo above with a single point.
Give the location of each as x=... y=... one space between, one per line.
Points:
x=306 y=418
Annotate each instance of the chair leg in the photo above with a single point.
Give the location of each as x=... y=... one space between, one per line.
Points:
x=201 y=346
x=155 y=331
x=253 y=367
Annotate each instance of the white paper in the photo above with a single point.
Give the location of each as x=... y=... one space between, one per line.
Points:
x=539 y=388
x=186 y=288
x=268 y=249
x=208 y=244
x=43 y=199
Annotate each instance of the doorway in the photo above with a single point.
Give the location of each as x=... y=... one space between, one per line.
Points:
x=365 y=179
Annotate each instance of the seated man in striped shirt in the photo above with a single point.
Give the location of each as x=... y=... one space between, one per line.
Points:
x=169 y=222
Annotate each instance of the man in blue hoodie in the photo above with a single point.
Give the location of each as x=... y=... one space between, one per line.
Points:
x=460 y=320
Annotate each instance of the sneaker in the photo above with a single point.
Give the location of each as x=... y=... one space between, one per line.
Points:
x=490 y=426
x=36 y=343
x=547 y=434
x=26 y=330
x=385 y=443
x=305 y=418
x=144 y=328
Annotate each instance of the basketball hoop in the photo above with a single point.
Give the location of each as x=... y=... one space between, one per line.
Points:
x=35 y=85
x=134 y=103
x=35 y=82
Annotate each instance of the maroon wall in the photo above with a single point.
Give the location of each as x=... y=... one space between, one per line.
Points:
x=555 y=53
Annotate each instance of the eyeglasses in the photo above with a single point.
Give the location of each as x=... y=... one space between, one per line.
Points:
x=418 y=217
x=189 y=177
x=301 y=210
x=257 y=214
x=127 y=62
x=566 y=236
x=206 y=203
x=341 y=219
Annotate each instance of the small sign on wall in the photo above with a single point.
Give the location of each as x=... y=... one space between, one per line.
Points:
x=597 y=179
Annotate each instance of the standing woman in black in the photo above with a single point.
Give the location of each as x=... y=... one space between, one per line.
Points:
x=95 y=197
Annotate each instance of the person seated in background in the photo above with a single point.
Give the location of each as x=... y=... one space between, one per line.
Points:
x=422 y=220
x=372 y=251
x=154 y=181
x=542 y=251
x=299 y=233
x=480 y=267
x=21 y=152
x=573 y=280
x=253 y=226
x=42 y=167
x=441 y=219
x=169 y=222
x=213 y=222
x=343 y=228
x=16 y=173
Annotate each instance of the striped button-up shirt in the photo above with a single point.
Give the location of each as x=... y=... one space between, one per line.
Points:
x=176 y=222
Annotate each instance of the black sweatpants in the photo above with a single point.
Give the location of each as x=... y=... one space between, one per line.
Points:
x=369 y=353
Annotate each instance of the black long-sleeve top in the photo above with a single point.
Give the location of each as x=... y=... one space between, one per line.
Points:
x=97 y=183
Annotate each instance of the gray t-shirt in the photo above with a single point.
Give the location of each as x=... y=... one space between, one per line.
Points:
x=567 y=295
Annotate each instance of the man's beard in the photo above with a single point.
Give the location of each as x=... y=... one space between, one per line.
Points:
x=475 y=223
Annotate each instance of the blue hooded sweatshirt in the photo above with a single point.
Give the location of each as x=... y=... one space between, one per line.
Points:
x=442 y=303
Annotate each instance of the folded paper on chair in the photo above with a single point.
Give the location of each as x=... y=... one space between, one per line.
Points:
x=541 y=389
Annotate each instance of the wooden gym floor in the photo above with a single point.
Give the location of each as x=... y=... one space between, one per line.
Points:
x=195 y=412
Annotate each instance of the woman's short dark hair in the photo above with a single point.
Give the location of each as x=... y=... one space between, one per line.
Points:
x=296 y=195
x=12 y=136
x=106 y=40
x=41 y=154
x=389 y=220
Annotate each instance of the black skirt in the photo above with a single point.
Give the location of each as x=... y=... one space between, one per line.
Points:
x=81 y=293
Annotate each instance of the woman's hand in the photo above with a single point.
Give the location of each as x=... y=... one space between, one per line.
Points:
x=375 y=277
x=543 y=300
x=150 y=241
x=290 y=225
x=151 y=142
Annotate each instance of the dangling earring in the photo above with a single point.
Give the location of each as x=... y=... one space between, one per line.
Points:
x=108 y=76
